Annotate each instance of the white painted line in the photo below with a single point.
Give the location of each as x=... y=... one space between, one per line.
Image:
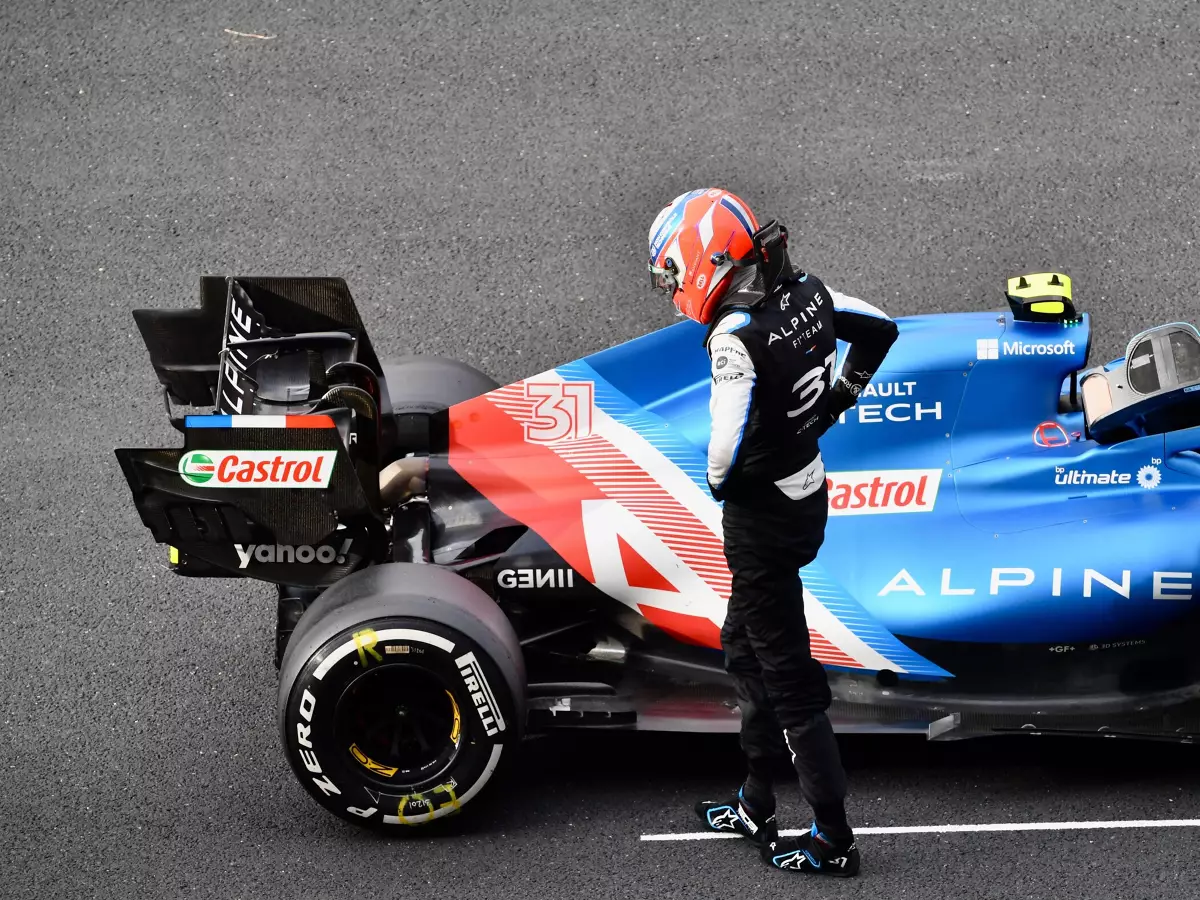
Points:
x=951 y=829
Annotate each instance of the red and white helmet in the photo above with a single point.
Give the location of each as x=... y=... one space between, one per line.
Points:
x=695 y=242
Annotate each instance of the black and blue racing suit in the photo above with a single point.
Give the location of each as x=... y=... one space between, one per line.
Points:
x=774 y=393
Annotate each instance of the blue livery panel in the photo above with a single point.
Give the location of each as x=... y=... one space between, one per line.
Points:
x=964 y=506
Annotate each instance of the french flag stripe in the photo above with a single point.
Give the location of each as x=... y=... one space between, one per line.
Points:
x=207 y=422
x=308 y=421
x=317 y=421
x=259 y=421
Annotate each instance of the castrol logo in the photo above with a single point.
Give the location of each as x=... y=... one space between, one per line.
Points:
x=257 y=468
x=883 y=491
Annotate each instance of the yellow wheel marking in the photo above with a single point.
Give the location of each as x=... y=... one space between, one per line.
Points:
x=456 y=728
x=416 y=798
x=453 y=801
x=370 y=765
x=364 y=642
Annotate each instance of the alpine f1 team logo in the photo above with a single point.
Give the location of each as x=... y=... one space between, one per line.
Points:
x=885 y=491
x=258 y=468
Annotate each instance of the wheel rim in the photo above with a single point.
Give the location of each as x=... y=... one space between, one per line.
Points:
x=400 y=724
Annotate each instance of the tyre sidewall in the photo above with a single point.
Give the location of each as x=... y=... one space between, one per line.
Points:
x=340 y=783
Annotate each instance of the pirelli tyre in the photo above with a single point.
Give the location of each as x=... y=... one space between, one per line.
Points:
x=418 y=387
x=401 y=696
x=429 y=383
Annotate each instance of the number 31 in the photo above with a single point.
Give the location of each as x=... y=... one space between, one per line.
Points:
x=812 y=385
x=563 y=410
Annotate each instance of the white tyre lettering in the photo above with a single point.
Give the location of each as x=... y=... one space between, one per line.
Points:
x=327 y=787
x=309 y=758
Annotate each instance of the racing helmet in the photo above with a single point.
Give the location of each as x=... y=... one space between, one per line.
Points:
x=696 y=242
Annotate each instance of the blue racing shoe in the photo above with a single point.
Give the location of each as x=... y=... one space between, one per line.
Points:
x=736 y=817
x=813 y=854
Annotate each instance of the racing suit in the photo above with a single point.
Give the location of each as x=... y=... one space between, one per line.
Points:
x=774 y=392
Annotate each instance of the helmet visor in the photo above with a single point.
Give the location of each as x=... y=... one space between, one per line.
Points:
x=663 y=278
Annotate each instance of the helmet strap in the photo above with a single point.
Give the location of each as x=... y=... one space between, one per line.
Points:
x=762 y=270
x=769 y=255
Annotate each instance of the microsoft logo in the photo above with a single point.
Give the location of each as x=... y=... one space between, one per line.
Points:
x=987 y=348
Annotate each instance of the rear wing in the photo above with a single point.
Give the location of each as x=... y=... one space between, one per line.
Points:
x=208 y=357
x=280 y=480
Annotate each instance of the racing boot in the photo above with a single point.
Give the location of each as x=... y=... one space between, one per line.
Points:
x=736 y=816
x=813 y=854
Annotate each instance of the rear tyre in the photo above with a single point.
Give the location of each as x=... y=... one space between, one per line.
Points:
x=401 y=696
x=420 y=386
x=426 y=384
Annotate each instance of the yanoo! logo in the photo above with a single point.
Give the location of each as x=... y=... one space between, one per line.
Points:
x=258 y=468
x=286 y=553
x=886 y=491
x=481 y=693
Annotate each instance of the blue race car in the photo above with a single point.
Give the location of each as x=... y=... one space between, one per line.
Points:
x=458 y=563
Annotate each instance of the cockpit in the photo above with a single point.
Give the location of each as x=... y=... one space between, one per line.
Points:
x=1153 y=390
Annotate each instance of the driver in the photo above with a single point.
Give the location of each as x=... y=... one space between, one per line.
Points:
x=772 y=343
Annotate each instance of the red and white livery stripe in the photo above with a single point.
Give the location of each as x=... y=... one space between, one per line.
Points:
x=624 y=487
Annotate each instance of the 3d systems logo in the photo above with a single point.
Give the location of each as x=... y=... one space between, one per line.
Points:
x=989 y=348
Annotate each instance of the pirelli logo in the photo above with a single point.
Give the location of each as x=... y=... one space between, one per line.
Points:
x=481 y=693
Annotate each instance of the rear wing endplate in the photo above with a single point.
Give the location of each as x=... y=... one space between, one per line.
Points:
x=282 y=482
x=274 y=498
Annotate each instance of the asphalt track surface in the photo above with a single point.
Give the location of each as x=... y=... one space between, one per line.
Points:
x=484 y=175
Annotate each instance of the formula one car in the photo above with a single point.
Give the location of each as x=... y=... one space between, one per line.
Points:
x=1011 y=543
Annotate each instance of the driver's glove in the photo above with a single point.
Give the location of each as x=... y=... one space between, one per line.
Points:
x=842 y=397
